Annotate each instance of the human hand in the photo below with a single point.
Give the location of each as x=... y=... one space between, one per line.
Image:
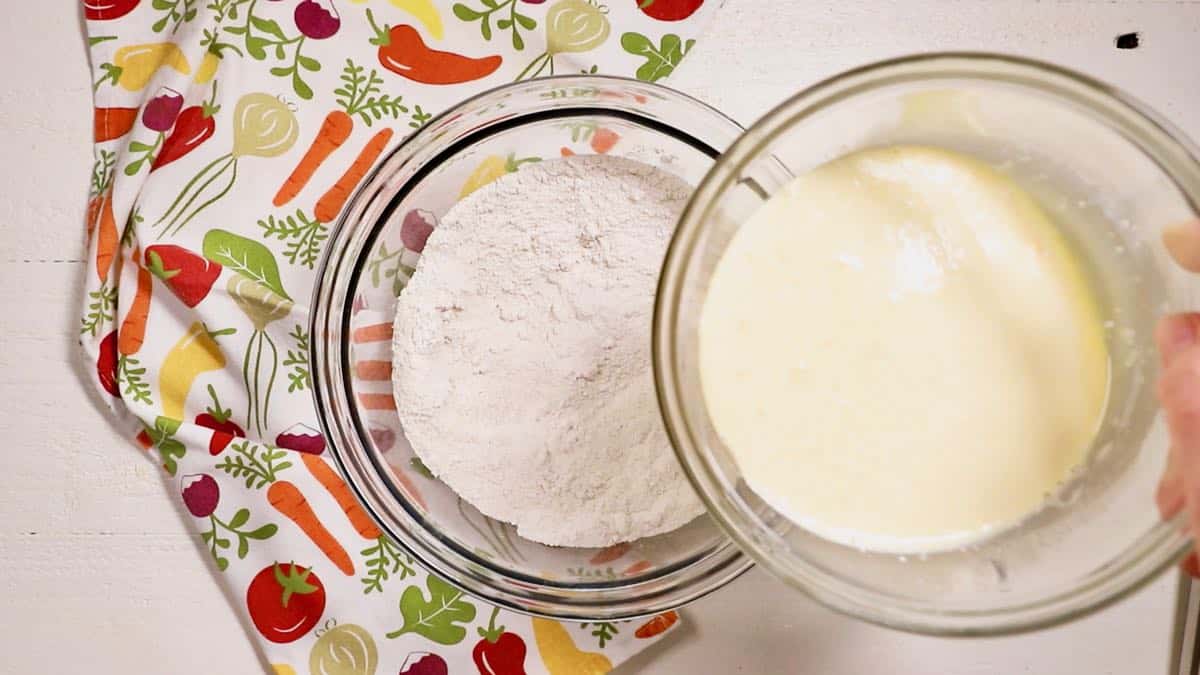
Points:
x=1178 y=338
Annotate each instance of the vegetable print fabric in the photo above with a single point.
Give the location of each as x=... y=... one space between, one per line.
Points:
x=229 y=135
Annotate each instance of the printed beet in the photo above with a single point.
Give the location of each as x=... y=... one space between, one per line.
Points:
x=317 y=19
x=383 y=438
x=200 y=494
x=424 y=663
x=162 y=110
x=301 y=438
x=415 y=229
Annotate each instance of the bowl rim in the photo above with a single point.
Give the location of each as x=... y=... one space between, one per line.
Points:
x=373 y=486
x=1176 y=156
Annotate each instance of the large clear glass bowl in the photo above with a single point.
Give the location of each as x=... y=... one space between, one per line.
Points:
x=370 y=256
x=1113 y=174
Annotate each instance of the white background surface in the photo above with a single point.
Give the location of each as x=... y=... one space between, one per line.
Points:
x=98 y=573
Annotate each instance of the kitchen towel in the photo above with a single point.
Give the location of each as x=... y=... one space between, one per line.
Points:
x=203 y=239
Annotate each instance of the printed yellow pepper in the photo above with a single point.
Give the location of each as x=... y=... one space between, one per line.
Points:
x=133 y=66
x=561 y=656
x=196 y=352
x=490 y=169
x=423 y=11
x=207 y=68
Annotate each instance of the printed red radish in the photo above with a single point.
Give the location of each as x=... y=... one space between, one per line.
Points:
x=415 y=229
x=301 y=438
x=162 y=110
x=317 y=19
x=200 y=494
x=424 y=663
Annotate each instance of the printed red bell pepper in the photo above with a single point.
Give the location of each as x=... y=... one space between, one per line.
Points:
x=106 y=364
x=217 y=419
x=107 y=10
x=188 y=275
x=194 y=125
x=402 y=51
x=499 y=652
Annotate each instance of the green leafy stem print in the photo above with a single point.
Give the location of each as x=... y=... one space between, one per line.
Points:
x=438 y=617
x=258 y=291
x=304 y=236
x=299 y=377
x=603 y=631
x=131 y=377
x=102 y=172
x=145 y=154
x=258 y=466
x=514 y=22
x=223 y=10
x=662 y=60
x=361 y=94
x=385 y=560
x=390 y=265
x=161 y=437
x=100 y=306
x=175 y=14
x=217 y=543
x=263 y=37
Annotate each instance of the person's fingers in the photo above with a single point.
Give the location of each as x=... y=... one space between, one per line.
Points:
x=1191 y=565
x=1170 y=493
x=1175 y=333
x=1183 y=243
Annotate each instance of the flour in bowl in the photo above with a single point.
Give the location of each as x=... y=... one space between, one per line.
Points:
x=522 y=370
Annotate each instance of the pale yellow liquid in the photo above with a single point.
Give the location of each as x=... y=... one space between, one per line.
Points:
x=901 y=351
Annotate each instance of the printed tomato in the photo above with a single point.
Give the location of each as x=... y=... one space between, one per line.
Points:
x=285 y=602
x=669 y=10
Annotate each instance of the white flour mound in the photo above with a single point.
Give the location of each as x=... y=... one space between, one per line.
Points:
x=522 y=370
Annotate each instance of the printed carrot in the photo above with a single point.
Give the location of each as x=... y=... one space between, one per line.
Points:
x=603 y=140
x=375 y=371
x=133 y=328
x=377 y=332
x=332 y=202
x=107 y=239
x=337 y=487
x=377 y=401
x=110 y=123
x=333 y=133
x=286 y=499
x=610 y=554
x=656 y=625
x=637 y=568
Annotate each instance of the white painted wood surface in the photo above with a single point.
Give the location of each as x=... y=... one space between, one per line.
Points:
x=98 y=574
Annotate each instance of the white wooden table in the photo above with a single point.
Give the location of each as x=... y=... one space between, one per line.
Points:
x=98 y=573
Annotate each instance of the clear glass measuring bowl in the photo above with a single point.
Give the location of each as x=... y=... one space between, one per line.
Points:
x=1113 y=174
x=370 y=256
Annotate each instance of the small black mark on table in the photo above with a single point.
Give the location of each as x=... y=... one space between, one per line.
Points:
x=1128 y=40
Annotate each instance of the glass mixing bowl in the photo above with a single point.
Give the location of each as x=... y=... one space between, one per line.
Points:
x=370 y=256
x=1112 y=173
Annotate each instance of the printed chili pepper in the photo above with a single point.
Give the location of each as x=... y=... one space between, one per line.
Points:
x=499 y=652
x=195 y=353
x=190 y=276
x=218 y=419
x=402 y=51
x=107 y=10
x=112 y=123
x=193 y=126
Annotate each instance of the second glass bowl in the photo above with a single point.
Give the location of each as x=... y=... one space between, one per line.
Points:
x=1112 y=174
